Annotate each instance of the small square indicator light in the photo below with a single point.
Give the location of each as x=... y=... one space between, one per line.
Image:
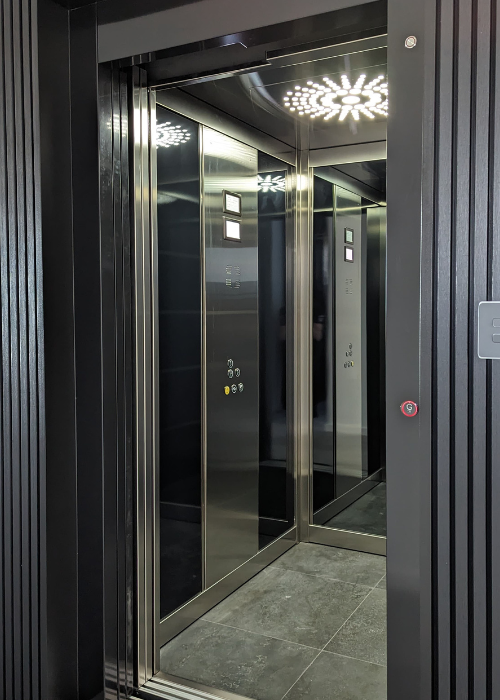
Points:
x=231 y=203
x=349 y=235
x=232 y=230
x=348 y=254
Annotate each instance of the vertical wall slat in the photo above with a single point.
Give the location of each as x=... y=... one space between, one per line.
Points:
x=443 y=311
x=22 y=376
x=494 y=456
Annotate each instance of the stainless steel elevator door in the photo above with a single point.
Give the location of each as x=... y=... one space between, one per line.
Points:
x=350 y=352
x=232 y=355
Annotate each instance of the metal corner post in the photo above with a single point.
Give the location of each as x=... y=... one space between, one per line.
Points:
x=144 y=395
x=302 y=335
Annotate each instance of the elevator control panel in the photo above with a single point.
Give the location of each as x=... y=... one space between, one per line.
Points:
x=349 y=361
x=488 y=330
x=233 y=371
x=231 y=203
x=233 y=276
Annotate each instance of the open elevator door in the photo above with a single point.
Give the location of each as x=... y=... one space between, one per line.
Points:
x=221 y=435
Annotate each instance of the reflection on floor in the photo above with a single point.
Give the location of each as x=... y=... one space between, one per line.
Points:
x=310 y=626
x=367 y=515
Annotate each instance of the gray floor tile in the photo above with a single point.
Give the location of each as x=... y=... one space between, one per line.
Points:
x=240 y=662
x=382 y=584
x=367 y=515
x=364 y=636
x=335 y=563
x=290 y=605
x=333 y=677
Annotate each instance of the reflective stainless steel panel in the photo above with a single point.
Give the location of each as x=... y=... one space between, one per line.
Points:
x=350 y=378
x=231 y=270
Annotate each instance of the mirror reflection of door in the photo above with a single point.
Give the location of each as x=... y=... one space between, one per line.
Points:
x=348 y=337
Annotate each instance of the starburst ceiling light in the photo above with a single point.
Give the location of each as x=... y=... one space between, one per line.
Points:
x=331 y=100
x=169 y=134
x=271 y=183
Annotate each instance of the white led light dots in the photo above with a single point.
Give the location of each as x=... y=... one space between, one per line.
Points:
x=269 y=183
x=332 y=100
x=171 y=135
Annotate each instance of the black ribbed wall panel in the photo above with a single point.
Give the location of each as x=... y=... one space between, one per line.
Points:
x=467 y=390
x=22 y=589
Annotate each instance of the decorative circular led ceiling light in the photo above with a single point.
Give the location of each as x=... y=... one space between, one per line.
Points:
x=332 y=100
x=171 y=135
x=271 y=184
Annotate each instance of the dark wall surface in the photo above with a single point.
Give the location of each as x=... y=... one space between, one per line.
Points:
x=72 y=325
x=466 y=225
x=444 y=179
x=22 y=391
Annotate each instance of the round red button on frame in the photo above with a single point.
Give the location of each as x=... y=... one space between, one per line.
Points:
x=409 y=409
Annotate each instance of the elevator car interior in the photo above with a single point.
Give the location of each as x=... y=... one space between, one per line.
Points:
x=260 y=265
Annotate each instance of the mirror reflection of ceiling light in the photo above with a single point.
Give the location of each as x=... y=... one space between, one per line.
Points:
x=168 y=135
x=270 y=183
x=332 y=100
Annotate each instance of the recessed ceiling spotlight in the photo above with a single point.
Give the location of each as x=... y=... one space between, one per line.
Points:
x=271 y=183
x=332 y=100
x=171 y=135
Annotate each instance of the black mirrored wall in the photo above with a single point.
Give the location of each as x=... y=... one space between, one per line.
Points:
x=179 y=361
x=348 y=348
x=276 y=483
x=182 y=508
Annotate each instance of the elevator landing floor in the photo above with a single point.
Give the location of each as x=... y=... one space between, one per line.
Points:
x=312 y=626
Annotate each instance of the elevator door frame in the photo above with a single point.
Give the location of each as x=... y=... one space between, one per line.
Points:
x=410 y=348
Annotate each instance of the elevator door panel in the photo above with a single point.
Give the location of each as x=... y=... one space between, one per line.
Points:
x=350 y=354
x=232 y=352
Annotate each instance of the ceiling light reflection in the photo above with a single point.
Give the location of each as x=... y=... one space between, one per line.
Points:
x=331 y=100
x=168 y=134
x=271 y=183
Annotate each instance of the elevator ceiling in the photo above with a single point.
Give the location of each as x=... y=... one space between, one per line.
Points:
x=258 y=97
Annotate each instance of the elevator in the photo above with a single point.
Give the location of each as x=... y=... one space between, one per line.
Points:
x=260 y=251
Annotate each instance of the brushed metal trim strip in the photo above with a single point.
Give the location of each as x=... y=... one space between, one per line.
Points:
x=355 y=153
x=372 y=544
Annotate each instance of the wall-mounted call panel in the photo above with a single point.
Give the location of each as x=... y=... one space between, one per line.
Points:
x=232 y=353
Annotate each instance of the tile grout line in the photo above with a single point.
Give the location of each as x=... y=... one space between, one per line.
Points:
x=353 y=658
x=328 y=642
x=347 y=619
x=326 y=578
x=261 y=634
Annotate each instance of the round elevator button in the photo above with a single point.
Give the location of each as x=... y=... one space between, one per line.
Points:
x=237 y=371
x=227 y=390
x=230 y=373
x=409 y=409
x=230 y=364
x=240 y=386
x=234 y=388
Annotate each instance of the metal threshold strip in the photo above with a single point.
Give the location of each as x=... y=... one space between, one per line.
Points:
x=171 y=688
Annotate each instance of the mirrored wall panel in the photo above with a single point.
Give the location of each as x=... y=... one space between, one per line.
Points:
x=348 y=339
x=179 y=361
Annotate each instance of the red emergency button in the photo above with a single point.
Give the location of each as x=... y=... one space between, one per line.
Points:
x=409 y=408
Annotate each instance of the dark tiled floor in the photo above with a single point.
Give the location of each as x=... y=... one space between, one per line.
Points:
x=311 y=625
x=367 y=515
